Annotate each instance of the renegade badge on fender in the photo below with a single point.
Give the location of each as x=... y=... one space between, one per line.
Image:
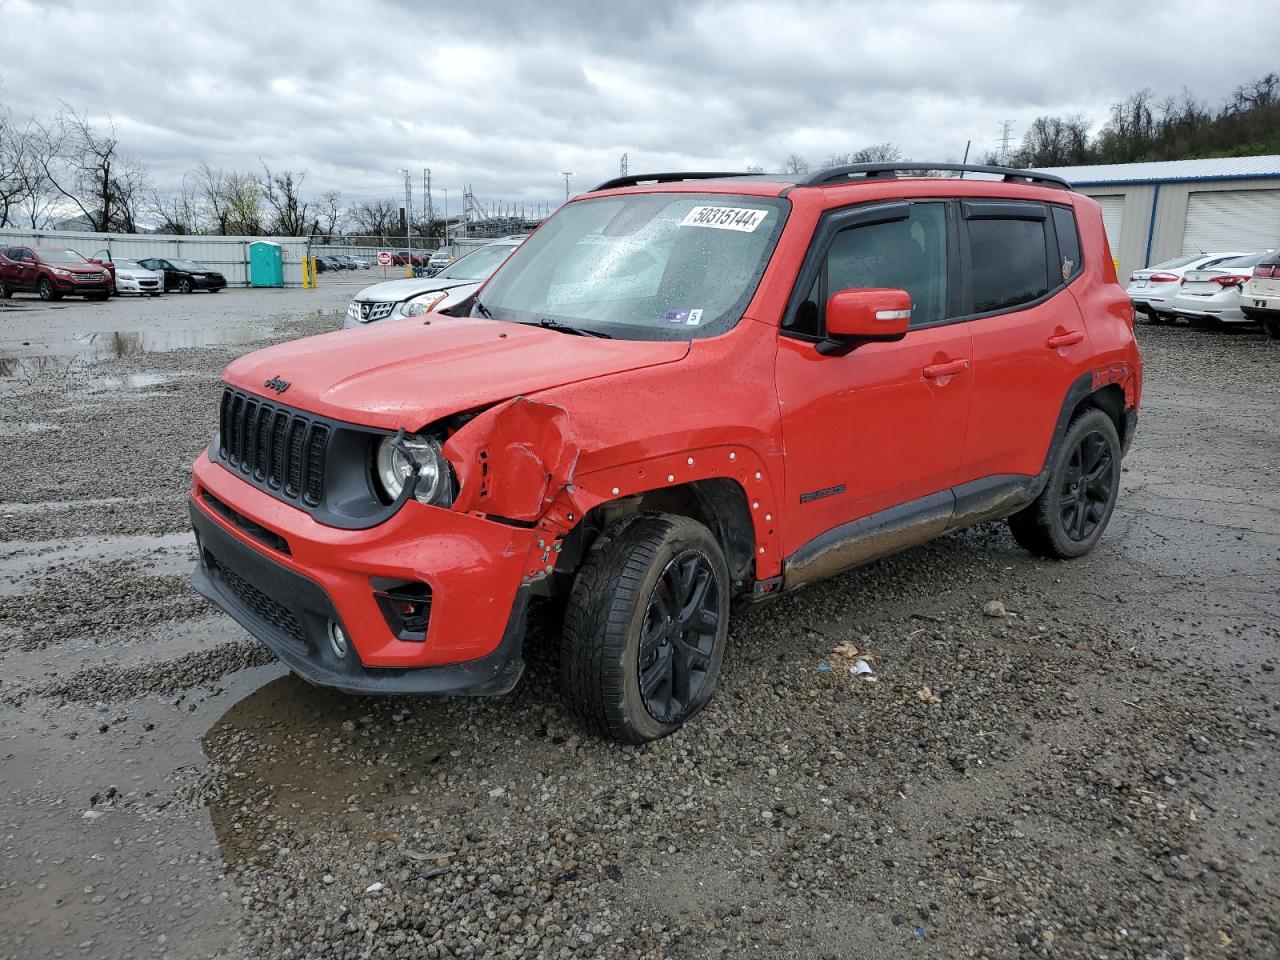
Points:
x=683 y=390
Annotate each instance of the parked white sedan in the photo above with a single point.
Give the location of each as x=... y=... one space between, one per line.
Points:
x=1152 y=290
x=133 y=277
x=1210 y=296
x=1260 y=298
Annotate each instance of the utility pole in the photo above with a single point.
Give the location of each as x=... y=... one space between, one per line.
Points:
x=446 y=216
x=408 y=215
x=426 y=197
x=567 y=177
x=1006 y=136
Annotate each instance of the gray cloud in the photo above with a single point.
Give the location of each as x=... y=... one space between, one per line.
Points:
x=505 y=95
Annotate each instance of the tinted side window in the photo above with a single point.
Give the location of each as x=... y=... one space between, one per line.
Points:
x=906 y=254
x=1064 y=223
x=1009 y=261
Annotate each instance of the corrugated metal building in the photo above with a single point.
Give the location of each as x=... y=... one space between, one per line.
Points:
x=227 y=255
x=1160 y=210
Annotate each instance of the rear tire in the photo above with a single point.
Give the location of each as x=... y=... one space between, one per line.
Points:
x=1271 y=328
x=645 y=628
x=184 y=285
x=5 y=292
x=1073 y=509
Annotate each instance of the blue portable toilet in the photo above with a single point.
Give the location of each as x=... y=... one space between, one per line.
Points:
x=266 y=264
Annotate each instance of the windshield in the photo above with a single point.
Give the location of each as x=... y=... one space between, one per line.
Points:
x=129 y=265
x=189 y=265
x=61 y=256
x=651 y=266
x=477 y=265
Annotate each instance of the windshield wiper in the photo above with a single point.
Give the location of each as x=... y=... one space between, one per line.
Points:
x=548 y=324
x=484 y=311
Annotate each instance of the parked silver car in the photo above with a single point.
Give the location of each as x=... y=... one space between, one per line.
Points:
x=395 y=299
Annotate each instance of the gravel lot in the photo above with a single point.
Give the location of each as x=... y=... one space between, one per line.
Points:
x=1091 y=773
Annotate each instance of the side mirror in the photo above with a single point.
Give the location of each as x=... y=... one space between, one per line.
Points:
x=859 y=316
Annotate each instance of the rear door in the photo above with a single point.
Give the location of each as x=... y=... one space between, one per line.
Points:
x=884 y=424
x=1029 y=339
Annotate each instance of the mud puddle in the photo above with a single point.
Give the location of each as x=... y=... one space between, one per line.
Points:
x=166 y=555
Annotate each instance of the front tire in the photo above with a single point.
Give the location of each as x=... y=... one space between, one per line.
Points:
x=1073 y=509
x=46 y=290
x=645 y=628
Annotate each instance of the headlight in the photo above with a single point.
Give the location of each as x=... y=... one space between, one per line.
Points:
x=397 y=459
x=426 y=304
x=60 y=272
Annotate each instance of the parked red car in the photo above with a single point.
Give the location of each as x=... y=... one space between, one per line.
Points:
x=683 y=390
x=52 y=272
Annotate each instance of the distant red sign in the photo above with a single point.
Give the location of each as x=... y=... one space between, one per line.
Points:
x=384 y=258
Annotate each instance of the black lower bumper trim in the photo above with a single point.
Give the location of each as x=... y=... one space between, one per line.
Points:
x=291 y=613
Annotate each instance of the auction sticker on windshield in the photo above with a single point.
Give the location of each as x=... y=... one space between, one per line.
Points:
x=725 y=218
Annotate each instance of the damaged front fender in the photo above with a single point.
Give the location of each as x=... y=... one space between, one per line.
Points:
x=513 y=460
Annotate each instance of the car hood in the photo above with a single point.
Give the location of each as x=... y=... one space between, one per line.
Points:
x=130 y=274
x=397 y=290
x=410 y=373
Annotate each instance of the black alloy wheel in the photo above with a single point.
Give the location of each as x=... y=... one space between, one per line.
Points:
x=1087 y=484
x=678 y=638
x=645 y=627
x=1071 y=512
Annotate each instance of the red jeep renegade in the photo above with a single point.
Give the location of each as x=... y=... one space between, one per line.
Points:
x=683 y=390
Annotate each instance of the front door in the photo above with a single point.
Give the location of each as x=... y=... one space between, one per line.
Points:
x=884 y=424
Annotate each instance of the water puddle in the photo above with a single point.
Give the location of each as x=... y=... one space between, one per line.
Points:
x=166 y=555
x=20 y=429
x=61 y=357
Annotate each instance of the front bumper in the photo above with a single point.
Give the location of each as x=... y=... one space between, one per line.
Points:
x=284 y=577
x=209 y=283
x=72 y=286
x=134 y=285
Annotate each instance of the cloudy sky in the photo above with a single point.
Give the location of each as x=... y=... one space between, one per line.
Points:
x=505 y=95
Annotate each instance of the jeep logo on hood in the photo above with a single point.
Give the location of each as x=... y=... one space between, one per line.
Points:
x=276 y=384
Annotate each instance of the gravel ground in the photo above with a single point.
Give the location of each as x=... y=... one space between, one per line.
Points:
x=1053 y=759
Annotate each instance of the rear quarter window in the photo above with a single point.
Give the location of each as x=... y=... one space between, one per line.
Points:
x=1010 y=263
x=1064 y=225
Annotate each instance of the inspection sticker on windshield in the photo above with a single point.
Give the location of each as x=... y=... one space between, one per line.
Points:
x=725 y=218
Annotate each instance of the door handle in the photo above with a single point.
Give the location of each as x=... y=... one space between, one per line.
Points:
x=948 y=369
x=1064 y=339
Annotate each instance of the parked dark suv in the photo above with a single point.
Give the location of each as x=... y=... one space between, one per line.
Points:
x=52 y=272
x=681 y=392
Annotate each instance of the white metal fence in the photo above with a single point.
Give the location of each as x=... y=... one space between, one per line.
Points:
x=227 y=255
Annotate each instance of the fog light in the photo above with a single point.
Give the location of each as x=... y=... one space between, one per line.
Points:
x=337 y=639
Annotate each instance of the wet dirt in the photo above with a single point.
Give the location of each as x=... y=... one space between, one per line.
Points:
x=1091 y=774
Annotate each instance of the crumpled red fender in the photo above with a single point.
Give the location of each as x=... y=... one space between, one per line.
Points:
x=514 y=459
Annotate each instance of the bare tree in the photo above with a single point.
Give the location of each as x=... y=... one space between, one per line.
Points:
x=795 y=164
x=377 y=218
x=86 y=167
x=14 y=159
x=177 y=212
x=282 y=193
x=329 y=208
x=876 y=153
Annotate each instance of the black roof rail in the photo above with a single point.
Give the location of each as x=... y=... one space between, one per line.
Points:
x=638 y=178
x=874 y=171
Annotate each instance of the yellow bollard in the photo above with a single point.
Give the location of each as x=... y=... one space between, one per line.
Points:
x=408 y=270
x=306 y=274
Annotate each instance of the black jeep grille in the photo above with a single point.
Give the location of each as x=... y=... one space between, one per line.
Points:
x=274 y=447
